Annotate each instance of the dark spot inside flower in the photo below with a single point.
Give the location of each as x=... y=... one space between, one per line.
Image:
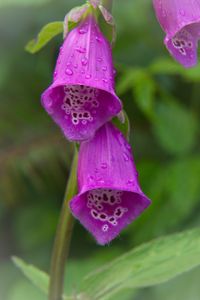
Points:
x=105 y=197
x=103 y=216
x=118 y=212
x=112 y=199
x=182 y=43
x=95 y=214
x=86 y=115
x=177 y=43
x=112 y=219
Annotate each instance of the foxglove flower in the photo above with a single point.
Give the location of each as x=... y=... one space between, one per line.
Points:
x=180 y=19
x=82 y=97
x=110 y=196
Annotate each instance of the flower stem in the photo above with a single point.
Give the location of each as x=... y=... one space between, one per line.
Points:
x=63 y=237
x=107 y=4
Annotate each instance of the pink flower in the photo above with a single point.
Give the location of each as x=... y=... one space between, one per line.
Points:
x=82 y=97
x=180 y=19
x=109 y=196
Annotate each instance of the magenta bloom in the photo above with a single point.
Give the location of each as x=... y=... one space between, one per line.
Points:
x=110 y=197
x=82 y=98
x=180 y=19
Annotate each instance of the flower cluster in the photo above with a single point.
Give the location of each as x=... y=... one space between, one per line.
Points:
x=180 y=19
x=82 y=101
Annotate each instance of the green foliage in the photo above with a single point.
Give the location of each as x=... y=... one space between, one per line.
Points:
x=37 y=277
x=47 y=33
x=162 y=102
x=176 y=127
x=20 y=2
x=150 y=264
x=147 y=265
x=175 y=191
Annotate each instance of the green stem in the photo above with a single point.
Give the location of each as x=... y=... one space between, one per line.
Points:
x=63 y=237
x=107 y=4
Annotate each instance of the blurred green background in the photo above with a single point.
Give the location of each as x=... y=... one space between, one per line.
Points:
x=163 y=103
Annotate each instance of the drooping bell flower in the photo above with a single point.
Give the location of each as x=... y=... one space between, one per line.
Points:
x=82 y=97
x=109 y=196
x=180 y=19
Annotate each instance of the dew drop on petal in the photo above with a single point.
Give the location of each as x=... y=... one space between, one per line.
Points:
x=98 y=39
x=83 y=30
x=69 y=71
x=126 y=156
x=88 y=76
x=104 y=165
x=81 y=49
x=84 y=61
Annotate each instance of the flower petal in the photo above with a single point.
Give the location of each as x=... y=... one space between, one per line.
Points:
x=82 y=96
x=110 y=197
x=180 y=19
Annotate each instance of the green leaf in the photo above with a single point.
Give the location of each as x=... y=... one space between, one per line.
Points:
x=184 y=287
x=47 y=33
x=168 y=66
x=22 y=2
x=144 y=90
x=175 y=127
x=169 y=185
x=39 y=278
x=150 y=264
x=122 y=123
x=143 y=87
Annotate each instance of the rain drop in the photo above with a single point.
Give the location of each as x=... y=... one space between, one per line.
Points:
x=98 y=39
x=83 y=30
x=126 y=156
x=81 y=49
x=84 y=61
x=104 y=165
x=88 y=76
x=68 y=71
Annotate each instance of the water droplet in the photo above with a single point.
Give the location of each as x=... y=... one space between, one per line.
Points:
x=68 y=71
x=90 y=178
x=61 y=50
x=55 y=74
x=83 y=30
x=114 y=72
x=104 y=68
x=75 y=66
x=130 y=182
x=88 y=76
x=126 y=156
x=104 y=165
x=84 y=61
x=105 y=80
x=81 y=49
x=99 y=59
x=98 y=39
